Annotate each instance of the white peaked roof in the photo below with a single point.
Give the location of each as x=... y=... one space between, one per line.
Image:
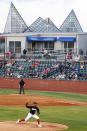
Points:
x=14 y=23
x=71 y=24
x=43 y=26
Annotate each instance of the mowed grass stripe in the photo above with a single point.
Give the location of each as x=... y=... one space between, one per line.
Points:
x=73 y=116
x=69 y=96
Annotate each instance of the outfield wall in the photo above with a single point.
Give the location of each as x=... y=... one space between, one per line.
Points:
x=46 y=85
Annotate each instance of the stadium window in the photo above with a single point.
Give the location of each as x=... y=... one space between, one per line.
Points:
x=46 y=45
x=2 y=40
x=51 y=45
x=70 y=44
x=11 y=46
x=15 y=46
x=65 y=45
x=2 y=44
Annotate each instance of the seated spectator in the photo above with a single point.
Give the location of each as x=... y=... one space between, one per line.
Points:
x=82 y=62
x=48 y=55
x=44 y=71
x=63 y=76
x=72 y=76
x=11 y=74
x=8 y=69
x=60 y=76
x=21 y=67
x=80 y=76
x=8 y=64
x=28 y=59
x=12 y=61
x=48 y=69
x=16 y=64
x=77 y=58
x=36 y=74
x=36 y=64
x=75 y=76
x=82 y=66
x=61 y=68
x=12 y=55
x=8 y=54
x=45 y=53
x=55 y=64
x=84 y=76
x=69 y=56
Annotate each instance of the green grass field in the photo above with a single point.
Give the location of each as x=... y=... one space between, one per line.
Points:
x=73 y=116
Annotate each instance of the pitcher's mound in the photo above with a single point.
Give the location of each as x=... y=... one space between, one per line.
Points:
x=31 y=126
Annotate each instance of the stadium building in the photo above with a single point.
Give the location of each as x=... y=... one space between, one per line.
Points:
x=42 y=34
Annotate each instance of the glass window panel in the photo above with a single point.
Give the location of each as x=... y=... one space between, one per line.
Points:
x=2 y=40
x=2 y=44
x=17 y=46
x=65 y=45
x=46 y=45
x=70 y=44
x=11 y=46
x=51 y=45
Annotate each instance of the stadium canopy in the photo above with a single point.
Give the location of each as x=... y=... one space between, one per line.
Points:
x=73 y=39
x=29 y=38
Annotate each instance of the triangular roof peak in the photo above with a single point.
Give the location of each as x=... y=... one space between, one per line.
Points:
x=72 y=10
x=14 y=23
x=71 y=23
x=49 y=21
x=12 y=3
x=43 y=26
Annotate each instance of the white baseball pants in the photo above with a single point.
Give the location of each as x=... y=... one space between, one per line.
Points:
x=31 y=115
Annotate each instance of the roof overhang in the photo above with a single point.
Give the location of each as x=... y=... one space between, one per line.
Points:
x=73 y=39
x=29 y=38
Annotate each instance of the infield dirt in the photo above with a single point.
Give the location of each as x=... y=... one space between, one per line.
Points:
x=20 y=100
x=31 y=126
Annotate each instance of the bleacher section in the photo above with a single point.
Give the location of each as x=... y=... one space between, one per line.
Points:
x=44 y=69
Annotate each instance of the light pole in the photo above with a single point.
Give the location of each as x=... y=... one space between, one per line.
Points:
x=34 y=60
x=65 y=65
x=4 y=59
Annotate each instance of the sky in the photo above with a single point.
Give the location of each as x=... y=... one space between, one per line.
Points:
x=56 y=10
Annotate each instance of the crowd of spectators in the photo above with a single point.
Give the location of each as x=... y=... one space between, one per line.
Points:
x=29 y=67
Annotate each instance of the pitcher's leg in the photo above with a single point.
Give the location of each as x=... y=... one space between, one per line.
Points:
x=28 y=116
x=38 y=120
x=24 y=120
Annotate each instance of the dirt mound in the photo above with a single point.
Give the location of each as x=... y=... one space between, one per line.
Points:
x=20 y=100
x=31 y=126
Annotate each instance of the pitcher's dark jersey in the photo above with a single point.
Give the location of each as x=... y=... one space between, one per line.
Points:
x=33 y=109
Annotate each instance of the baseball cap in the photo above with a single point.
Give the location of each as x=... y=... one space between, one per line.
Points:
x=35 y=103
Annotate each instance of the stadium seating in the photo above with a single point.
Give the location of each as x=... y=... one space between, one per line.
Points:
x=35 y=69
